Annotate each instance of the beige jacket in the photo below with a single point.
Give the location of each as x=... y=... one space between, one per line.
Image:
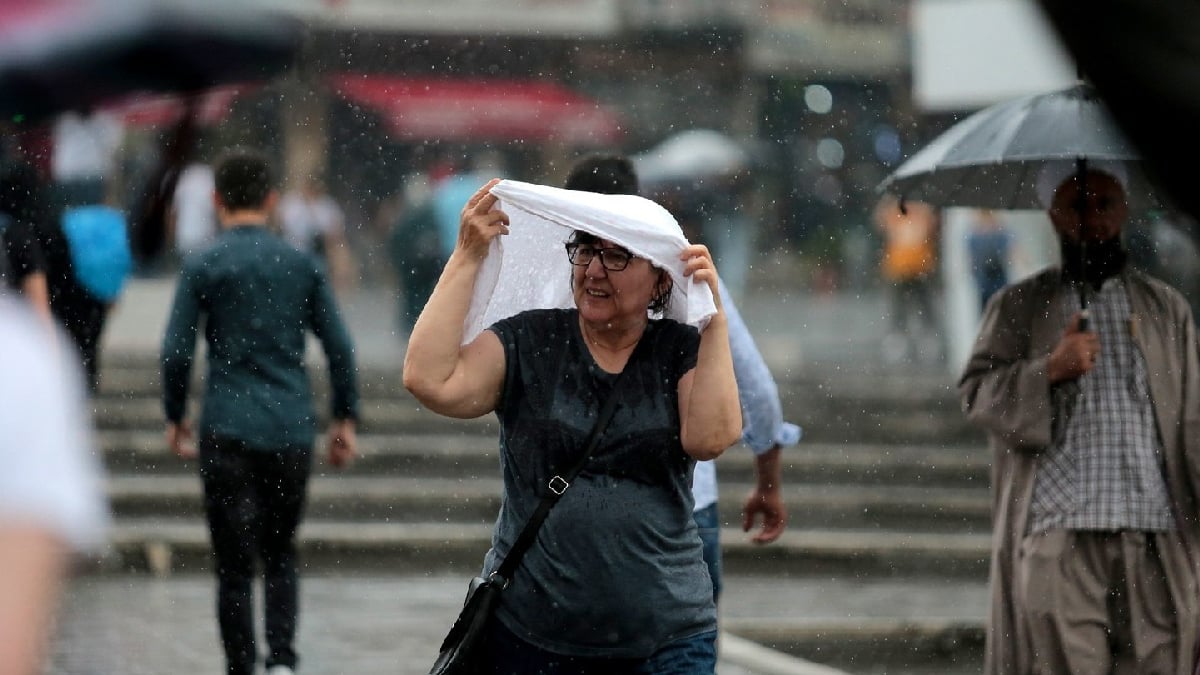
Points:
x=1005 y=390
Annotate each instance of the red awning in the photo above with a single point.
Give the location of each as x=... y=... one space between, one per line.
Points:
x=430 y=108
x=151 y=110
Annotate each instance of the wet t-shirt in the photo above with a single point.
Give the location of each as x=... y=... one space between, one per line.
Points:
x=617 y=568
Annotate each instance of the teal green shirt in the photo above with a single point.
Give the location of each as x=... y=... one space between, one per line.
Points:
x=258 y=298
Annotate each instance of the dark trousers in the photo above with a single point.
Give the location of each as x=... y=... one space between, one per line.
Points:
x=254 y=500
x=83 y=318
x=912 y=306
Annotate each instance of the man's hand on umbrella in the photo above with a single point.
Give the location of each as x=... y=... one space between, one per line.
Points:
x=1075 y=354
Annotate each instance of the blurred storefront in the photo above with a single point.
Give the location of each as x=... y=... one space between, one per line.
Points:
x=386 y=89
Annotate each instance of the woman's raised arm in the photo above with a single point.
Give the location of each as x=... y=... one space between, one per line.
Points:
x=710 y=416
x=446 y=376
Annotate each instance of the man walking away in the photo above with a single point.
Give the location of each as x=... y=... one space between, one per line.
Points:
x=258 y=297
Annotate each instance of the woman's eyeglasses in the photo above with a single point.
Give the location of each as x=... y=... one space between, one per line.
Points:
x=613 y=259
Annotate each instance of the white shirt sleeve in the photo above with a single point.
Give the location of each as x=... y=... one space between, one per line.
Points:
x=49 y=472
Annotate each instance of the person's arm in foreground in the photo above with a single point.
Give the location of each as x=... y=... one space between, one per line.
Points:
x=51 y=488
x=710 y=420
x=32 y=566
x=327 y=325
x=446 y=376
x=37 y=292
x=764 y=431
x=178 y=349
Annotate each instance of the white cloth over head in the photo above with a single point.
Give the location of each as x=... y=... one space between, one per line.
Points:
x=528 y=268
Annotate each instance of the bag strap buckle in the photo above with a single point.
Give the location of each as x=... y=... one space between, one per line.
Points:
x=558 y=485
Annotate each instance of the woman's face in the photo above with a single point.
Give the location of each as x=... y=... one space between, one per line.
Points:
x=608 y=295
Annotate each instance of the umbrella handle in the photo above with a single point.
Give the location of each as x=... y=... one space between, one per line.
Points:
x=1084 y=315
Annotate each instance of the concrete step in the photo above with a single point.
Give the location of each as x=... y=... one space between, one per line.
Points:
x=883 y=625
x=163 y=545
x=477 y=500
x=137 y=373
x=857 y=645
x=834 y=422
x=471 y=454
x=846 y=407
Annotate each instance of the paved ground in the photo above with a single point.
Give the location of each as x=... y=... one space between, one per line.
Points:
x=383 y=624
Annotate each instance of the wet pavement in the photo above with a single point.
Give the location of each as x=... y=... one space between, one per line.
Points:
x=386 y=624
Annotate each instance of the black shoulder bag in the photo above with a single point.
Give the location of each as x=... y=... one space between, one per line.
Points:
x=460 y=650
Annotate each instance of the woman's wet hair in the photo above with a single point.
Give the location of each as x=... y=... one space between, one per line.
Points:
x=662 y=292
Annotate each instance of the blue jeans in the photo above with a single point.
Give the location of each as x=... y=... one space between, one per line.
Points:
x=508 y=654
x=708 y=521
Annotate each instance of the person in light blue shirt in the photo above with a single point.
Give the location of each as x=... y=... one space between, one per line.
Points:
x=763 y=428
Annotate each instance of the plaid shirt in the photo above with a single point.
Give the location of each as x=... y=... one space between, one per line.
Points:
x=1103 y=469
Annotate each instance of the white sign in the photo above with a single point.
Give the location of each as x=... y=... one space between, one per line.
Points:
x=968 y=54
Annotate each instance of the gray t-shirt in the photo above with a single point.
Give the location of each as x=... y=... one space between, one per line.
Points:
x=617 y=568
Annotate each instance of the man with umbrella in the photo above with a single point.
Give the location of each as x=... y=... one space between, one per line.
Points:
x=1094 y=420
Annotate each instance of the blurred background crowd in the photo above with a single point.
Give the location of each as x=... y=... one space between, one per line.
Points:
x=767 y=123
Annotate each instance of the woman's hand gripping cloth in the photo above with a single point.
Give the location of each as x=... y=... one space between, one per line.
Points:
x=528 y=269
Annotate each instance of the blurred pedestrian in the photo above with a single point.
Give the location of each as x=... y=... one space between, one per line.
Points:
x=909 y=267
x=51 y=492
x=76 y=309
x=192 y=217
x=989 y=245
x=764 y=431
x=414 y=245
x=258 y=298
x=312 y=222
x=615 y=581
x=22 y=263
x=84 y=156
x=1094 y=436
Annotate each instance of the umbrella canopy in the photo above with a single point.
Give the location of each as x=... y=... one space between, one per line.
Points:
x=1145 y=61
x=696 y=153
x=58 y=55
x=993 y=158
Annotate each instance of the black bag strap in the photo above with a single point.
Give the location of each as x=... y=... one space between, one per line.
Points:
x=560 y=482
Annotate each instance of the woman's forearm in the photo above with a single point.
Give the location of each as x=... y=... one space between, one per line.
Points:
x=714 y=416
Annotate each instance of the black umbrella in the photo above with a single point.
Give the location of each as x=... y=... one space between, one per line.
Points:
x=993 y=158
x=1144 y=59
x=59 y=55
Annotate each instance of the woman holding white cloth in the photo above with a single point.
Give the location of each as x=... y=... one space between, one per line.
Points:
x=615 y=582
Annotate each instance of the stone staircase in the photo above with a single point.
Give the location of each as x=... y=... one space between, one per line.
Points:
x=889 y=485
